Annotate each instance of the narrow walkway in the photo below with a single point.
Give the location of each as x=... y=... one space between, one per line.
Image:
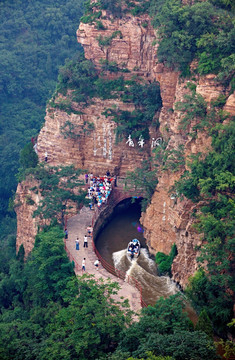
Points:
x=77 y=227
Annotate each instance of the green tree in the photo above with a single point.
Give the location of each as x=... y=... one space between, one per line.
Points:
x=153 y=357
x=51 y=313
x=36 y=38
x=89 y=327
x=181 y=345
x=48 y=270
x=164 y=261
x=59 y=186
x=28 y=159
x=211 y=180
x=165 y=330
x=204 y=324
x=189 y=31
x=144 y=181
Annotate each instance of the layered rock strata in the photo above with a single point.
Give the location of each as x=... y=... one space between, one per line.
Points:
x=26 y=202
x=95 y=149
x=134 y=47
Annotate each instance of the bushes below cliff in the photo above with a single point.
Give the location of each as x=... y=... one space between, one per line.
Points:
x=46 y=312
x=164 y=329
x=164 y=261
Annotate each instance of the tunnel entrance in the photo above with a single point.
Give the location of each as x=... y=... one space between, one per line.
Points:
x=112 y=240
x=122 y=226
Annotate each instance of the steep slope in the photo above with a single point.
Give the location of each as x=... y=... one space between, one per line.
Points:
x=130 y=42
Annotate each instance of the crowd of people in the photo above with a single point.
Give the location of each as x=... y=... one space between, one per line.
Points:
x=99 y=189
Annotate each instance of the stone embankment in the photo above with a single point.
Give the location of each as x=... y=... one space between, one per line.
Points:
x=77 y=227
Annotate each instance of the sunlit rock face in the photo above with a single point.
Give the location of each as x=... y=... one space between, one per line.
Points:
x=167 y=220
x=96 y=149
x=26 y=202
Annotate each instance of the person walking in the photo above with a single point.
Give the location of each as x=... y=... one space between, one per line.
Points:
x=66 y=233
x=83 y=265
x=85 y=245
x=89 y=230
x=96 y=263
x=77 y=243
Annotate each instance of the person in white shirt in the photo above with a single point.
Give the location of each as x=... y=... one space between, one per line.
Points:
x=96 y=263
x=85 y=242
x=84 y=265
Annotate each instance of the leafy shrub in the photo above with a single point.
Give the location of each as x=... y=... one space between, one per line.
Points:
x=195 y=114
x=100 y=25
x=112 y=66
x=28 y=160
x=200 y=30
x=204 y=324
x=169 y=159
x=165 y=261
x=211 y=181
x=28 y=157
x=109 y=89
x=106 y=40
x=114 y=6
x=147 y=101
x=144 y=180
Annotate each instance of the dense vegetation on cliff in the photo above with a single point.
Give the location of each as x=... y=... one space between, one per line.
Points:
x=202 y=31
x=36 y=38
x=211 y=183
x=45 y=311
x=84 y=80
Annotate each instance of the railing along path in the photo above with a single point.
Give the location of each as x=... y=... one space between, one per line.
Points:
x=110 y=268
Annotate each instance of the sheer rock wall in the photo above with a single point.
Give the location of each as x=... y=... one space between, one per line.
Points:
x=166 y=220
x=26 y=203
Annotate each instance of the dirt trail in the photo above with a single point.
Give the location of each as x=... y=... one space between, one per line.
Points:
x=77 y=227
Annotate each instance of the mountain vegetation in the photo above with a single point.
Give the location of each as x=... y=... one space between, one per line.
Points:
x=211 y=182
x=36 y=38
x=49 y=313
x=201 y=31
x=83 y=79
x=61 y=188
x=46 y=312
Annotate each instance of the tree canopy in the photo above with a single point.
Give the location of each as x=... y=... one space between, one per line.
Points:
x=46 y=312
x=36 y=38
x=211 y=181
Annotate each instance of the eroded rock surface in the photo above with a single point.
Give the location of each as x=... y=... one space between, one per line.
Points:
x=166 y=220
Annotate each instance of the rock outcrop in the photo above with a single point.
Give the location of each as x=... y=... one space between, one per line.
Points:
x=96 y=149
x=26 y=202
x=134 y=47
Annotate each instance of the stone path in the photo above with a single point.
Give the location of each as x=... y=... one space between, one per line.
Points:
x=77 y=227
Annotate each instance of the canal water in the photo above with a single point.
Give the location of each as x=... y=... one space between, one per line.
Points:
x=112 y=243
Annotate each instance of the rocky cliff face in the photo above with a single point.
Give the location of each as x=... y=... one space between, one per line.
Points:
x=26 y=203
x=96 y=149
x=166 y=220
